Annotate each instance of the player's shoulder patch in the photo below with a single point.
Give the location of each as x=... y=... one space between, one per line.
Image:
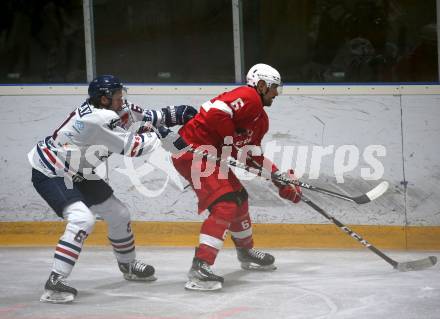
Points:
x=84 y=110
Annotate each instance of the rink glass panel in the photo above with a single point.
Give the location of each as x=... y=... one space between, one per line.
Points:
x=191 y=41
x=328 y=41
x=42 y=42
x=166 y=41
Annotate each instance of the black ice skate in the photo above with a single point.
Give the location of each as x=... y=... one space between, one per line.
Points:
x=137 y=271
x=201 y=277
x=56 y=290
x=253 y=259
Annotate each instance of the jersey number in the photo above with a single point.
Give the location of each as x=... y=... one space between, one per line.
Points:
x=237 y=104
x=80 y=236
x=245 y=224
x=136 y=108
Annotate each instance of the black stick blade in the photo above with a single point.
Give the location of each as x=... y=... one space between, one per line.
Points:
x=417 y=264
x=362 y=199
x=376 y=192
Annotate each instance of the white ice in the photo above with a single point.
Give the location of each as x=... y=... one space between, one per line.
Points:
x=307 y=284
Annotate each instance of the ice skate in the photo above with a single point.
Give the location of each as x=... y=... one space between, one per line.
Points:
x=56 y=290
x=253 y=259
x=201 y=277
x=137 y=271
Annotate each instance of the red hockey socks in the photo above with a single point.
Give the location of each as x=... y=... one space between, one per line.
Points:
x=214 y=230
x=241 y=228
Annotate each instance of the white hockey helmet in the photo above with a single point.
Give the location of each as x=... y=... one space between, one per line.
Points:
x=265 y=73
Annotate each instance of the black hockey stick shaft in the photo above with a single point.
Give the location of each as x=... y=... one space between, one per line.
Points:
x=328 y=192
x=304 y=185
x=350 y=232
x=343 y=227
x=362 y=199
x=402 y=266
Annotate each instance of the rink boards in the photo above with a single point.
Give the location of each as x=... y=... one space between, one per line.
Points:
x=185 y=234
x=404 y=120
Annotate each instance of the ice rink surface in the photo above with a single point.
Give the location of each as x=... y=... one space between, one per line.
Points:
x=307 y=284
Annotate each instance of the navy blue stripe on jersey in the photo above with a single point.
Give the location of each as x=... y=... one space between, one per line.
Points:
x=67 y=165
x=49 y=144
x=70 y=262
x=45 y=161
x=48 y=141
x=65 y=243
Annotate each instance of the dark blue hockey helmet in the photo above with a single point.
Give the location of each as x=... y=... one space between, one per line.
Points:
x=104 y=85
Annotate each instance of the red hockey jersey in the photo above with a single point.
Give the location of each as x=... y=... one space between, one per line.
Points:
x=238 y=113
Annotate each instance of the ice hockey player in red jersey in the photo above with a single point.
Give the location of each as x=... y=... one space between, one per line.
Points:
x=237 y=116
x=63 y=173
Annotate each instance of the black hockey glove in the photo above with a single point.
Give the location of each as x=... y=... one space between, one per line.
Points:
x=162 y=132
x=178 y=115
x=171 y=141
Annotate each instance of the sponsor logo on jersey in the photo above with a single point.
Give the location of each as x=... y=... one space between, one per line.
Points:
x=78 y=126
x=243 y=137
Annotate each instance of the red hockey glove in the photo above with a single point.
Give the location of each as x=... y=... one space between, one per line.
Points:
x=287 y=191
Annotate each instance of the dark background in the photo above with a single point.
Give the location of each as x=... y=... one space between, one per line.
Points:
x=191 y=41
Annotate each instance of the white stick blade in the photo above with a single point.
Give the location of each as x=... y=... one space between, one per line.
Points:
x=378 y=191
x=417 y=264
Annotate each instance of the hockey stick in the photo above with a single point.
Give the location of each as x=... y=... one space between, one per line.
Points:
x=376 y=192
x=400 y=266
x=106 y=171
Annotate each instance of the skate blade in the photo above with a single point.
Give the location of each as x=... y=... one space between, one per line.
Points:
x=256 y=267
x=57 y=297
x=136 y=278
x=203 y=285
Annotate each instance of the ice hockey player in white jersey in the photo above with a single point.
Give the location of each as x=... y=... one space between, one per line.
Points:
x=63 y=174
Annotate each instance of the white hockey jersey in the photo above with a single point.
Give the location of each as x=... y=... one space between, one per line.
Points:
x=89 y=135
